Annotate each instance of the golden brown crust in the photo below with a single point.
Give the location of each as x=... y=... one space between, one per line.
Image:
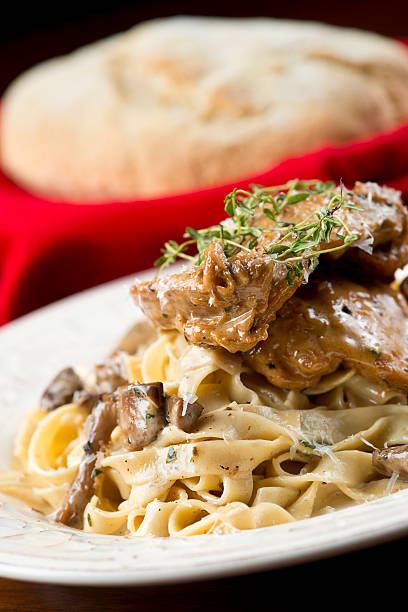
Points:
x=223 y=302
x=185 y=102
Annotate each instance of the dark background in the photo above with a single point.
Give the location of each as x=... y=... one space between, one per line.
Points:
x=33 y=31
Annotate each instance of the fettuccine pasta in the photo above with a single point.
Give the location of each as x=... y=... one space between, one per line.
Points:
x=258 y=456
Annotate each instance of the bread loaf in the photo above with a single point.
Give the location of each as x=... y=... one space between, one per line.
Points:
x=186 y=102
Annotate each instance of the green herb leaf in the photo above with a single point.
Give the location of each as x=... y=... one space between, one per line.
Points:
x=276 y=248
x=193 y=233
x=297 y=197
x=352 y=206
x=299 y=246
x=160 y=261
x=171 y=455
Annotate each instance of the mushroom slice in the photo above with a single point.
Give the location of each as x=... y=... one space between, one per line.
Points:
x=181 y=413
x=85 y=399
x=392 y=460
x=141 y=413
x=61 y=389
x=109 y=375
x=79 y=493
x=101 y=423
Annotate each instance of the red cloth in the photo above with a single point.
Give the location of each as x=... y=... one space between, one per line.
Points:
x=50 y=250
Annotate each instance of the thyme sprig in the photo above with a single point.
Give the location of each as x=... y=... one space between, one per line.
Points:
x=297 y=245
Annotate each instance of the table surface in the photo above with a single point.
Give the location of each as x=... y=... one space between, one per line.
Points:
x=362 y=575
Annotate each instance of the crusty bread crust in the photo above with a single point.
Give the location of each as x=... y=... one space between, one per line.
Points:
x=184 y=102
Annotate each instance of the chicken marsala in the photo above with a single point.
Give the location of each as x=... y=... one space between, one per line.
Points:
x=336 y=322
x=231 y=297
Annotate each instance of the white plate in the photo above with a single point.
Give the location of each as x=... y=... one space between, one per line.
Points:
x=79 y=331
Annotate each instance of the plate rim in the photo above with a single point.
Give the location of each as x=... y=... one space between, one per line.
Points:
x=350 y=540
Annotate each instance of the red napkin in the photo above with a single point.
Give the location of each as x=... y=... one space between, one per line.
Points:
x=50 y=250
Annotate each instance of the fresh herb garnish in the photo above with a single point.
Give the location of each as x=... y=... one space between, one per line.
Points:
x=89 y=519
x=171 y=455
x=314 y=444
x=308 y=444
x=297 y=245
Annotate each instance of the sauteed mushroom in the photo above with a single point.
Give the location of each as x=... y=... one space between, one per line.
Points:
x=141 y=413
x=61 y=389
x=181 y=413
x=102 y=421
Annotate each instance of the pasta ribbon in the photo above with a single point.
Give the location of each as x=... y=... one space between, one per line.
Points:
x=258 y=455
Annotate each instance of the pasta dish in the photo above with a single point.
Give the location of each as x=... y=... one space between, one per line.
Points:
x=266 y=384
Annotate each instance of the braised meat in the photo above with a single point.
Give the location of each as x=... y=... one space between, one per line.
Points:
x=333 y=322
x=223 y=302
x=382 y=226
x=230 y=301
x=386 y=219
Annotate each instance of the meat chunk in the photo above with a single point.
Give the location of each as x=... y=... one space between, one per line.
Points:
x=223 y=302
x=101 y=424
x=333 y=322
x=386 y=220
x=61 y=389
x=381 y=225
x=392 y=460
x=181 y=413
x=230 y=301
x=141 y=413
